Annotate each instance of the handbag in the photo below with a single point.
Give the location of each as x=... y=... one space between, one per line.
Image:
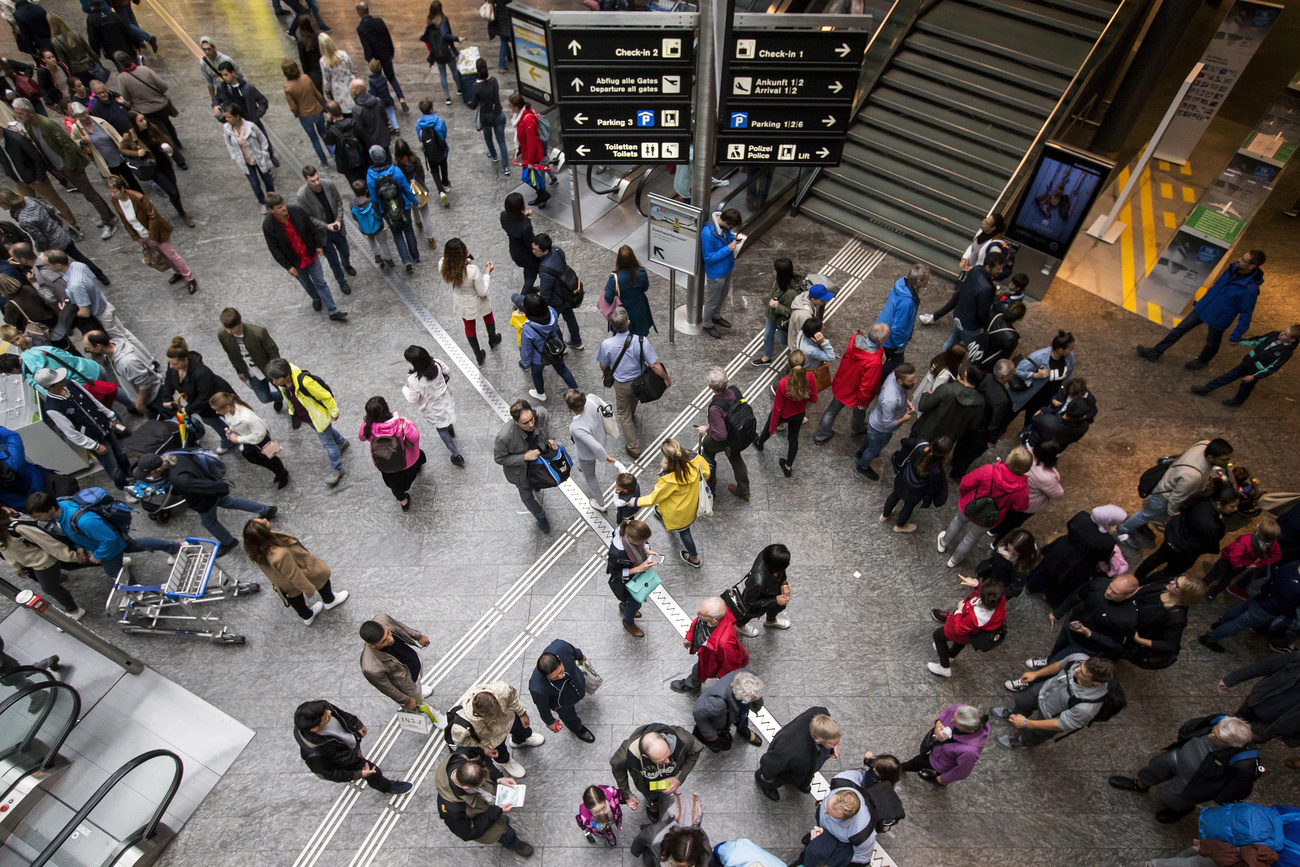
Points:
x=549 y=471
x=144 y=168
x=984 y=640
x=706 y=498
x=593 y=678
x=983 y=511
x=102 y=391
x=607 y=419
x=478 y=117
x=486 y=12
x=420 y=193
x=641 y=585
x=272 y=449
x=822 y=375
x=608 y=307
x=734 y=596
x=154 y=258
x=649 y=386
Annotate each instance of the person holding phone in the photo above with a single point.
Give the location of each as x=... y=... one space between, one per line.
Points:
x=629 y=556
x=719 y=243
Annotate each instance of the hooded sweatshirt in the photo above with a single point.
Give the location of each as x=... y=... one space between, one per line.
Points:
x=431 y=121
x=950 y=410
x=395 y=427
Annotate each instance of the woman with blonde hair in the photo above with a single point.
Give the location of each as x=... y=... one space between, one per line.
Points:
x=295 y=572
x=794 y=392
x=469 y=294
x=74 y=51
x=988 y=494
x=676 y=495
x=246 y=430
x=336 y=73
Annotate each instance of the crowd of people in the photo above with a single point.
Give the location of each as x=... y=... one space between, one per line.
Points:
x=953 y=418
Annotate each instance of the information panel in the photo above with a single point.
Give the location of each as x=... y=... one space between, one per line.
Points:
x=532 y=55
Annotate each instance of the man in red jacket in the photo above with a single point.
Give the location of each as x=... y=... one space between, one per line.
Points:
x=713 y=640
x=856 y=382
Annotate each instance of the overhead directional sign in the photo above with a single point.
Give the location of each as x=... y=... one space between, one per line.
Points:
x=739 y=149
x=674 y=233
x=801 y=47
x=788 y=84
x=770 y=117
x=625 y=93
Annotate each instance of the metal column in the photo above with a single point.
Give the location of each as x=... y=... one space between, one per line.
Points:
x=706 y=132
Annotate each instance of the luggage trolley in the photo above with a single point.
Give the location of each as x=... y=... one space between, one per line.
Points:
x=171 y=608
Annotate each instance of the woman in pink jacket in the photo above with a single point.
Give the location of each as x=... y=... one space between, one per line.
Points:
x=394 y=448
x=1003 y=484
x=951 y=749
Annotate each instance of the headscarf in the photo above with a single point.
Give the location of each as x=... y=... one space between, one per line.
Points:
x=1106 y=517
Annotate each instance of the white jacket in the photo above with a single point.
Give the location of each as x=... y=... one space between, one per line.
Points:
x=433 y=397
x=469 y=298
x=246 y=426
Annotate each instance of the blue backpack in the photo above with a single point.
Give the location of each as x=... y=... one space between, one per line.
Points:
x=99 y=501
x=1243 y=825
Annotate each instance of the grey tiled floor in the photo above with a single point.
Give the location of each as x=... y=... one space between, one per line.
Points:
x=858 y=645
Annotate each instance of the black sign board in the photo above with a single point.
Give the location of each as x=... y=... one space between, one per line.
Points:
x=777 y=118
x=602 y=81
x=629 y=115
x=643 y=46
x=788 y=86
x=802 y=48
x=740 y=149
x=532 y=56
x=628 y=147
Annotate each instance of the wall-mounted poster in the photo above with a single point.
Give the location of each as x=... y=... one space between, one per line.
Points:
x=1063 y=187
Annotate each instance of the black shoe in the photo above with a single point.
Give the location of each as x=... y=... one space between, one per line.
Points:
x=391 y=264
x=772 y=792
x=1194 y=364
x=345 y=289
x=174 y=279
x=718 y=320
x=295 y=422
x=1125 y=784
x=271 y=512
x=758 y=446
x=544 y=525
x=938 y=616
x=1209 y=642
x=586 y=736
x=1200 y=389
x=338 y=316
x=458 y=460
x=349 y=270
x=318 y=305
x=1168 y=816
x=930 y=775
x=480 y=356
x=153 y=43
x=682 y=686
x=493 y=342
x=867 y=473
x=281 y=482
x=1148 y=353
x=225 y=548
x=399 y=787
x=522 y=849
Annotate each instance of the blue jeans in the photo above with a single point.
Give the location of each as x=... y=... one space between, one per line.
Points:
x=1244 y=390
x=560 y=367
x=213 y=525
x=312 y=280
x=772 y=334
x=253 y=173
x=497 y=124
x=959 y=335
x=265 y=391
x=331 y=439
x=113 y=565
x=338 y=254
x=404 y=237
x=529 y=499
x=127 y=14
x=1154 y=509
x=116 y=463
x=872 y=445
x=687 y=541
x=505 y=55
x=314 y=126
x=1247 y=615
x=442 y=75
x=392 y=116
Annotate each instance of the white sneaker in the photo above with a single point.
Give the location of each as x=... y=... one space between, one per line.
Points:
x=426 y=691
x=514 y=769
x=781 y=622
x=748 y=630
x=339 y=598
x=171 y=560
x=536 y=739
x=1036 y=662
x=263 y=209
x=109 y=231
x=532 y=392
x=75 y=615
x=315 y=609
x=941 y=541
x=926 y=319
x=952 y=562
x=936 y=668
x=598 y=505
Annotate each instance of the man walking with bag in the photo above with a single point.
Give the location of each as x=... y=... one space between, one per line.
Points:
x=557 y=684
x=731 y=428
x=520 y=442
x=623 y=358
x=391 y=665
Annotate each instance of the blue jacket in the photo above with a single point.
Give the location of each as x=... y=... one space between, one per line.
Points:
x=379 y=88
x=550 y=695
x=1232 y=296
x=367 y=217
x=546 y=283
x=431 y=120
x=532 y=336
x=718 y=258
x=1283 y=594
x=97 y=536
x=373 y=174
x=31 y=478
x=899 y=313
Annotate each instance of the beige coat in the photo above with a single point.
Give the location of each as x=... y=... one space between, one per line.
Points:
x=490 y=733
x=475 y=803
x=386 y=672
x=80 y=137
x=303 y=97
x=294 y=570
x=32 y=548
x=469 y=297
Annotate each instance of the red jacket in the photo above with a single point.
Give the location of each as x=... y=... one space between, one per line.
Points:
x=722 y=653
x=857 y=380
x=784 y=407
x=531 y=150
x=961 y=624
x=995 y=480
x=1240 y=553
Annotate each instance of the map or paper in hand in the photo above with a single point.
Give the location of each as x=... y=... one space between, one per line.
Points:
x=511 y=796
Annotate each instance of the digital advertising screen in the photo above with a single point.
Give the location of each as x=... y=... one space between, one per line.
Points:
x=1063 y=187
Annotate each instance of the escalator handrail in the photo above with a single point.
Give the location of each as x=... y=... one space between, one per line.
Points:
x=25 y=669
x=92 y=802
x=640 y=188
x=45 y=712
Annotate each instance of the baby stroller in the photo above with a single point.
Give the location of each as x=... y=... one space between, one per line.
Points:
x=156 y=499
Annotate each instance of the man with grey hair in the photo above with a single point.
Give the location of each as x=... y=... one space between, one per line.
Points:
x=856 y=382
x=727 y=703
x=1208 y=762
x=899 y=313
x=622 y=357
x=655 y=754
x=712 y=639
x=64 y=158
x=985 y=433
x=717 y=436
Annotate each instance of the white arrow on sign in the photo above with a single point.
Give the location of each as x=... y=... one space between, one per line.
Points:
x=842 y=51
x=582 y=150
x=836 y=87
x=829 y=120
x=580 y=118
x=823 y=153
x=575 y=46
x=577 y=83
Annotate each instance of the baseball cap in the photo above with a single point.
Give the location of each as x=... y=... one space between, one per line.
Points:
x=819 y=292
x=148 y=464
x=45 y=377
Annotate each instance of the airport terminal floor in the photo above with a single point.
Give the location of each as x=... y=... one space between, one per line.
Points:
x=467 y=566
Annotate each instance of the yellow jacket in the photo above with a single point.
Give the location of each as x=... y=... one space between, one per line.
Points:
x=678 y=502
x=314 y=397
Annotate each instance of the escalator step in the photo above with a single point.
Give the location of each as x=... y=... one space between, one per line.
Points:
x=1016 y=78
x=976 y=107
x=941 y=235
x=979 y=132
x=1100 y=10
x=1045 y=16
x=927 y=136
x=1016 y=40
x=874 y=170
x=938 y=257
x=985 y=88
x=922 y=207
x=944 y=163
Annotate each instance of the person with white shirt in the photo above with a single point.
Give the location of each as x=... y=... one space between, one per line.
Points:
x=428 y=388
x=250 y=434
x=587 y=428
x=984 y=610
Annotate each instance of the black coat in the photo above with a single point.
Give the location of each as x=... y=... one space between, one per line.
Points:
x=199 y=385
x=329 y=758
x=1053 y=426
x=1275 y=700
x=371 y=122
x=33 y=28
x=107 y=35
x=792 y=756
x=277 y=239
x=975 y=300
x=1162 y=626
x=910 y=485
x=376 y=41
x=20 y=158
x=1071 y=560
x=549 y=695
x=1198 y=528
x=520 y=233
x=248 y=98
x=997 y=410
x=193 y=480
x=1112 y=623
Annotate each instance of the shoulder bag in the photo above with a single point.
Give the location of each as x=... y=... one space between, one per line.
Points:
x=607 y=376
x=172 y=110
x=649 y=386
x=608 y=307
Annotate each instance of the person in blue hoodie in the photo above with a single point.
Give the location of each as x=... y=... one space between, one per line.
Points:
x=18 y=476
x=543 y=323
x=899 y=313
x=92 y=533
x=1232 y=296
x=391 y=194
x=431 y=130
x=719 y=243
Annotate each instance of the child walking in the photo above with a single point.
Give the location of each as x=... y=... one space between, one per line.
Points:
x=600 y=814
x=379 y=89
x=1256 y=549
x=371 y=225
x=626 y=493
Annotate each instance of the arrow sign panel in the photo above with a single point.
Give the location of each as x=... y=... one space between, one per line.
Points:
x=610 y=81
x=595 y=116
x=778 y=150
x=643 y=146
x=788 y=86
x=641 y=46
x=799 y=48
x=770 y=117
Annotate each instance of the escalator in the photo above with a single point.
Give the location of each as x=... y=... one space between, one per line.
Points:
x=36 y=715
x=951 y=117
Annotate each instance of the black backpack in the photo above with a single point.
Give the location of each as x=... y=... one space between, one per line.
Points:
x=1148 y=480
x=568 y=286
x=553 y=346
x=349 y=150
x=1112 y=703
x=454 y=718
x=435 y=146
x=742 y=427
x=390 y=198
x=314 y=378
x=388 y=453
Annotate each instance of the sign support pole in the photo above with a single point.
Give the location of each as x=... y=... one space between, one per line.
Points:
x=575 y=195
x=672 y=304
x=706 y=131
